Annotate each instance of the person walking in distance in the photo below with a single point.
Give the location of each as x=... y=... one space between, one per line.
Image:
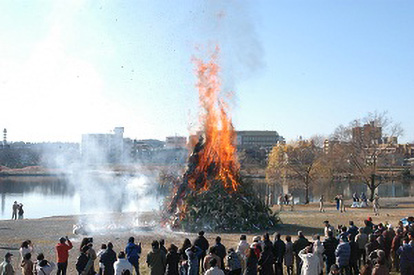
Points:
x=62 y=251
x=376 y=205
x=321 y=204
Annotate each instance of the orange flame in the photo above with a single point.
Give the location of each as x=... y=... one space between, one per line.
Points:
x=218 y=160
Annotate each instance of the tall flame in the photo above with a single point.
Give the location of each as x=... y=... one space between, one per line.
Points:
x=217 y=160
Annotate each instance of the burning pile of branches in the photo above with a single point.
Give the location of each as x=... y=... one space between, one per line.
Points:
x=211 y=194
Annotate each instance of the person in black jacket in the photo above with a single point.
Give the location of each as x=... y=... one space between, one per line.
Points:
x=298 y=246
x=203 y=244
x=330 y=245
x=220 y=251
x=279 y=249
x=82 y=260
x=266 y=261
x=173 y=258
x=353 y=260
x=108 y=258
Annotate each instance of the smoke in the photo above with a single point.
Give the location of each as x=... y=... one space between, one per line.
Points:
x=232 y=26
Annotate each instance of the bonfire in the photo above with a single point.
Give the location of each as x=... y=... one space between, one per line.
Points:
x=211 y=194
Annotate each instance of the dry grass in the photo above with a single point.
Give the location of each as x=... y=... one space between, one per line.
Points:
x=45 y=232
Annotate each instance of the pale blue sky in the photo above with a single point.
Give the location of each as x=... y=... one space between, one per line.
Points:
x=297 y=67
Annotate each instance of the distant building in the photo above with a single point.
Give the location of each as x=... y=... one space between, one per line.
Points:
x=176 y=142
x=367 y=134
x=103 y=148
x=257 y=139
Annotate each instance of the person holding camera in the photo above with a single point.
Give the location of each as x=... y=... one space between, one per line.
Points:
x=62 y=252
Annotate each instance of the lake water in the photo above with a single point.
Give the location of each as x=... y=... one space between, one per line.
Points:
x=100 y=193
x=79 y=194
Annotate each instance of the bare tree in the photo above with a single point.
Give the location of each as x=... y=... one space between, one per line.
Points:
x=364 y=150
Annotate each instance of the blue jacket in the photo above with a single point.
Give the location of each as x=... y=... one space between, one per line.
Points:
x=343 y=253
x=133 y=252
x=406 y=253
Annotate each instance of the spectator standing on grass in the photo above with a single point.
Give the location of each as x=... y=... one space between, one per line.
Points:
x=310 y=261
x=45 y=267
x=343 y=254
x=193 y=254
x=15 y=209
x=317 y=250
x=81 y=262
x=342 y=203
x=99 y=255
x=330 y=244
x=172 y=260
x=133 y=252
x=203 y=244
x=26 y=247
x=39 y=258
x=279 y=249
x=266 y=261
x=328 y=228
x=62 y=253
x=108 y=259
x=337 y=202
x=162 y=246
x=211 y=255
x=242 y=250
x=156 y=259
x=220 y=251
x=251 y=263
x=92 y=257
x=233 y=262
x=214 y=269
x=353 y=260
x=183 y=257
x=361 y=239
x=300 y=244
x=122 y=265
x=396 y=243
x=371 y=245
x=288 y=258
x=352 y=230
x=6 y=267
x=406 y=253
x=27 y=265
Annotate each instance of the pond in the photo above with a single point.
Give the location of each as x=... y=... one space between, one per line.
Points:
x=44 y=196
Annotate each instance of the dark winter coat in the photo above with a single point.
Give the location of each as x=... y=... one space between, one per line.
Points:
x=156 y=261
x=133 y=251
x=330 y=245
x=279 y=249
x=354 y=253
x=266 y=262
x=371 y=246
x=173 y=258
x=82 y=262
x=300 y=244
x=108 y=258
x=251 y=265
x=343 y=254
x=202 y=243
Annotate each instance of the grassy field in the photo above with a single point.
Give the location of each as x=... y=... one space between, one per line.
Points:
x=44 y=233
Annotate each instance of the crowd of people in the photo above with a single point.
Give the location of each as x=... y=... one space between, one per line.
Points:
x=373 y=249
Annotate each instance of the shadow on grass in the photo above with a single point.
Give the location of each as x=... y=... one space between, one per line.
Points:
x=292 y=229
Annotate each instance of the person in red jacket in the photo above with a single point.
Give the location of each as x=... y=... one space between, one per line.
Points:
x=62 y=251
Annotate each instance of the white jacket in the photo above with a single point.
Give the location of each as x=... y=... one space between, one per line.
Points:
x=121 y=265
x=243 y=248
x=311 y=264
x=45 y=270
x=214 y=271
x=318 y=250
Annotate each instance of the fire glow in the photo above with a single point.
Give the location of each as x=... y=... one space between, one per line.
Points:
x=218 y=156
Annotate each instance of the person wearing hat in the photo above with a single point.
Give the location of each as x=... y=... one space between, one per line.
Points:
x=6 y=267
x=62 y=252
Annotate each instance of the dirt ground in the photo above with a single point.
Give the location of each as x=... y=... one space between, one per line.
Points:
x=45 y=232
